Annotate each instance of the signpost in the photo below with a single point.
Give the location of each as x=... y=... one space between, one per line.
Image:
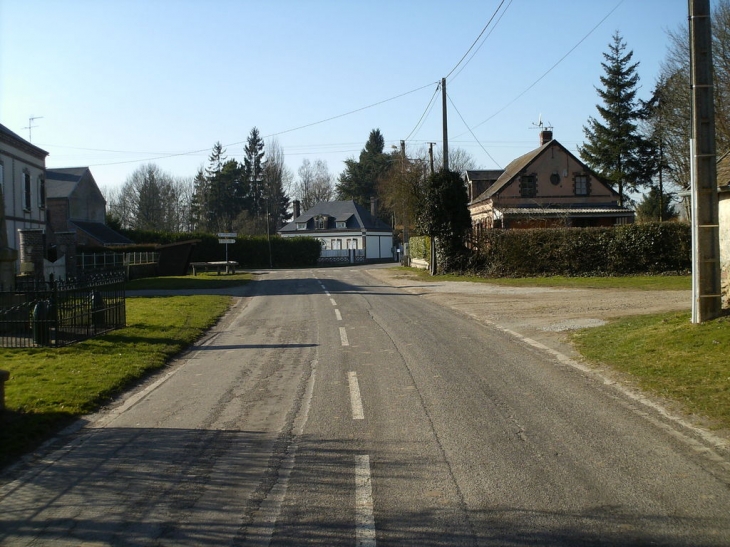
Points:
x=226 y=239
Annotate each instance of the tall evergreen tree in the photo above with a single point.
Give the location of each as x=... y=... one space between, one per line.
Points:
x=359 y=180
x=252 y=190
x=613 y=147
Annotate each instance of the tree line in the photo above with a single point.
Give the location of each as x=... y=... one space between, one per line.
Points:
x=640 y=146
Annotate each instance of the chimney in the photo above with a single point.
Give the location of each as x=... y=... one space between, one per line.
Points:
x=373 y=206
x=297 y=204
x=546 y=135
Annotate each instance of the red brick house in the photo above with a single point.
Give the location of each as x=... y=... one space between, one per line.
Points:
x=547 y=187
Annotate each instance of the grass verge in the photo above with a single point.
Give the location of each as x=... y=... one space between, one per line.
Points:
x=49 y=387
x=184 y=282
x=634 y=282
x=670 y=357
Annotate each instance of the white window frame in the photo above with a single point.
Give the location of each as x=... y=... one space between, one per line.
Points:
x=341 y=224
x=301 y=225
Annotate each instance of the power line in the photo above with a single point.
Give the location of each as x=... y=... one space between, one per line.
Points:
x=472 y=133
x=548 y=71
x=477 y=39
x=191 y=152
x=483 y=41
x=429 y=106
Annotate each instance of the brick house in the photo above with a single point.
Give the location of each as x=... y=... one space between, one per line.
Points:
x=547 y=187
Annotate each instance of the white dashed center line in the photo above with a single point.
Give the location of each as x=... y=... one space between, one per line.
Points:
x=364 y=518
x=343 y=337
x=338 y=315
x=355 y=399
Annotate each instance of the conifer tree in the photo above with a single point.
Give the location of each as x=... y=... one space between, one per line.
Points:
x=614 y=146
x=359 y=180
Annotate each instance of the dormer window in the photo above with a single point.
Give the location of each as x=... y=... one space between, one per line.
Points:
x=301 y=225
x=320 y=222
x=341 y=224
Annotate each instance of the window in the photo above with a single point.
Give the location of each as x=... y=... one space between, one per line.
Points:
x=582 y=186
x=301 y=225
x=26 y=191
x=320 y=223
x=41 y=192
x=528 y=186
x=2 y=179
x=341 y=224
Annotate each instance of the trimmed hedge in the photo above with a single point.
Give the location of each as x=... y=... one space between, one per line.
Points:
x=249 y=252
x=653 y=248
x=420 y=247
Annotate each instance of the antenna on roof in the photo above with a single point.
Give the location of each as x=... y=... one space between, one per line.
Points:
x=31 y=126
x=539 y=125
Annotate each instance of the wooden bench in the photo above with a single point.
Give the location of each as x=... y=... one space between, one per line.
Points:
x=229 y=267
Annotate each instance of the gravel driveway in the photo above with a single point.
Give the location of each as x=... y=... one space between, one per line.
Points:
x=541 y=313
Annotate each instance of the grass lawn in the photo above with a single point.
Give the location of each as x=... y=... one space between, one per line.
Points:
x=49 y=387
x=639 y=282
x=669 y=356
x=201 y=281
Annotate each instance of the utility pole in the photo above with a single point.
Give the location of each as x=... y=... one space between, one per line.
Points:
x=31 y=126
x=430 y=154
x=445 y=124
x=706 y=290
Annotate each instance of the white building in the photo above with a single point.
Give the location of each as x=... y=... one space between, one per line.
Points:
x=23 y=185
x=344 y=229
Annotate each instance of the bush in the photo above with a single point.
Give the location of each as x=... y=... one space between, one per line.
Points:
x=654 y=248
x=248 y=251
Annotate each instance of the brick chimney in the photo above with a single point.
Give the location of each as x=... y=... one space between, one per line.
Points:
x=297 y=208
x=373 y=206
x=546 y=135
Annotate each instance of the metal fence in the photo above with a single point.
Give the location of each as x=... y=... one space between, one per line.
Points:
x=56 y=314
x=115 y=261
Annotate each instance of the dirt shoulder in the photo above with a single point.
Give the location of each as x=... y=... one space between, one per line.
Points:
x=543 y=314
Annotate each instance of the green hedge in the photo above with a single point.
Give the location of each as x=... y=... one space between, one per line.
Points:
x=652 y=248
x=420 y=247
x=249 y=252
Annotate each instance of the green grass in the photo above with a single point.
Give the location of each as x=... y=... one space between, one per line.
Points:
x=637 y=282
x=669 y=356
x=50 y=387
x=200 y=281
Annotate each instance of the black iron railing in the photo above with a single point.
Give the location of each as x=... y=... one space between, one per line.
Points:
x=60 y=313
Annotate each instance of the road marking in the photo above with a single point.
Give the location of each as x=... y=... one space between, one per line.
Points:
x=355 y=399
x=364 y=518
x=327 y=292
x=333 y=301
x=343 y=337
x=338 y=315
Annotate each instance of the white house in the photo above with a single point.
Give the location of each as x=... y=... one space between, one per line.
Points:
x=344 y=229
x=23 y=184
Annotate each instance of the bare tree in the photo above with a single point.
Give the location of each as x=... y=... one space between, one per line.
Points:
x=315 y=184
x=460 y=161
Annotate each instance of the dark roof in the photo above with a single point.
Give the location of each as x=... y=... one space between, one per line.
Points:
x=356 y=216
x=483 y=174
x=60 y=183
x=20 y=141
x=101 y=232
x=572 y=209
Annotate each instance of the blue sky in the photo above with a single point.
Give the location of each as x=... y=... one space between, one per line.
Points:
x=118 y=83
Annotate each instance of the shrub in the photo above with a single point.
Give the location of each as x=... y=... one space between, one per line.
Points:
x=653 y=248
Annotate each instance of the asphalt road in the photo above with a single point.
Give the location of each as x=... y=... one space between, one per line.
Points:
x=330 y=408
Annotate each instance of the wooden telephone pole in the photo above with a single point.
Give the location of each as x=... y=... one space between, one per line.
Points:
x=706 y=288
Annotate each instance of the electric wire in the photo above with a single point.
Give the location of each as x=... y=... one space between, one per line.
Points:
x=429 y=106
x=191 y=152
x=477 y=39
x=472 y=133
x=548 y=71
x=483 y=41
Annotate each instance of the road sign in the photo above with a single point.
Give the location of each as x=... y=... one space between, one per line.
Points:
x=226 y=234
x=227 y=241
